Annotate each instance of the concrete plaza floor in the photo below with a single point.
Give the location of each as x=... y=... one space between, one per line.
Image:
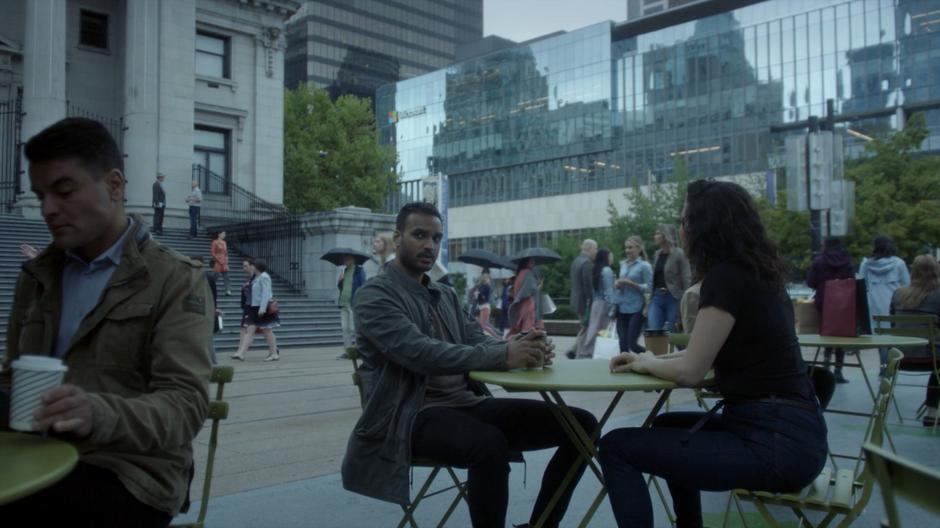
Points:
x=280 y=450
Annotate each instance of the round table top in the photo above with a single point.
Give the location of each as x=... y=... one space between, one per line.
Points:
x=860 y=342
x=31 y=462
x=577 y=375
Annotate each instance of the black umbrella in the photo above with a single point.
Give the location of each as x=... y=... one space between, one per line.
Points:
x=539 y=254
x=338 y=256
x=485 y=259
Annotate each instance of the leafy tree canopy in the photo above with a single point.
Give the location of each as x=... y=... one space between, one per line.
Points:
x=897 y=193
x=332 y=155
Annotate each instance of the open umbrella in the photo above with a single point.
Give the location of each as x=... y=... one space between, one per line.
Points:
x=338 y=256
x=539 y=254
x=485 y=259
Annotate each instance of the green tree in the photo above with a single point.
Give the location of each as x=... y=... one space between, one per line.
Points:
x=657 y=204
x=332 y=154
x=790 y=230
x=897 y=192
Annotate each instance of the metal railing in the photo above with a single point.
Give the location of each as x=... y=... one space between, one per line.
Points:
x=403 y=192
x=11 y=124
x=115 y=125
x=255 y=227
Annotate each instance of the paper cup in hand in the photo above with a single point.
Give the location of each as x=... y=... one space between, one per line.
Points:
x=32 y=376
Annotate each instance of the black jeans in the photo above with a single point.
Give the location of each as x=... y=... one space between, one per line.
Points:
x=88 y=496
x=752 y=445
x=482 y=438
x=629 y=326
x=194 y=220
x=158 y=219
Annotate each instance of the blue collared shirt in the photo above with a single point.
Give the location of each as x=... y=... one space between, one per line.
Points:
x=82 y=286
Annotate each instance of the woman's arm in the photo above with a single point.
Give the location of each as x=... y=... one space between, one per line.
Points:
x=711 y=330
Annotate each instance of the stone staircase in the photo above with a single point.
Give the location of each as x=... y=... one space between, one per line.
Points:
x=304 y=321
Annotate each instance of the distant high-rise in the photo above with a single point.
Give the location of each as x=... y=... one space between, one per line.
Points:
x=641 y=8
x=355 y=47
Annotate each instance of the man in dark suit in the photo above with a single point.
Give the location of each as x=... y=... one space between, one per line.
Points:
x=159 y=204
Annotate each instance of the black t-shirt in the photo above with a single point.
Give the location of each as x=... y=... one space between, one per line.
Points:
x=761 y=356
x=659 y=272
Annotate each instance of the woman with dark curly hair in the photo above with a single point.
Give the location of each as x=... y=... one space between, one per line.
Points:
x=771 y=435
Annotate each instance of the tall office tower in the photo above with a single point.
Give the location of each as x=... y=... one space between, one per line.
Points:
x=641 y=8
x=353 y=47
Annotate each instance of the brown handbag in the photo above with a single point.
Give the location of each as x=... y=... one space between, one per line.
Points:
x=273 y=308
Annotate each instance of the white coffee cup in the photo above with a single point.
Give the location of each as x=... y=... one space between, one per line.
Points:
x=32 y=376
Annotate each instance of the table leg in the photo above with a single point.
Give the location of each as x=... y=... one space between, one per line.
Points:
x=585 y=445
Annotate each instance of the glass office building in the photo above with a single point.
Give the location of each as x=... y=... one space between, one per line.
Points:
x=611 y=105
x=355 y=47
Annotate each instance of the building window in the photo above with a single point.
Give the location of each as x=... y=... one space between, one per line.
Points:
x=212 y=53
x=211 y=159
x=93 y=30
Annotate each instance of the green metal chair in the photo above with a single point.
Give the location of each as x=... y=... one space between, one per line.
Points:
x=899 y=476
x=459 y=487
x=218 y=411
x=912 y=325
x=836 y=492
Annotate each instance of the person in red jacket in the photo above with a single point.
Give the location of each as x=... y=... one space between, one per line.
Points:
x=220 y=259
x=833 y=263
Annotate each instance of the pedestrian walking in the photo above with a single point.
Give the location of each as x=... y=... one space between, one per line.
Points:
x=633 y=283
x=484 y=291
x=257 y=316
x=602 y=283
x=525 y=314
x=350 y=279
x=883 y=273
x=581 y=290
x=671 y=277
x=220 y=259
x=383 y=251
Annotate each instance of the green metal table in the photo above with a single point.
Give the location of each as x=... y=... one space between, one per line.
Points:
x=578 y=376
x=30 y=463
x=861 y=342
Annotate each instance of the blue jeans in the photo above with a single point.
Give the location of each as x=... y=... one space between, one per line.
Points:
x=663 y=312
x=751 y=445
x=193 y=219
x=629 y=326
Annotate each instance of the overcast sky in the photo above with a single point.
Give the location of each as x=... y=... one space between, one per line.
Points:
x=521 y=20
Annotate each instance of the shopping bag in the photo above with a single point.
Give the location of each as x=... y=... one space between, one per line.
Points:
x=607 y=344
x=547 y=304
x=838 y=313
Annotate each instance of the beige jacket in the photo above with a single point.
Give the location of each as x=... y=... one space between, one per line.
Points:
x=141 y=354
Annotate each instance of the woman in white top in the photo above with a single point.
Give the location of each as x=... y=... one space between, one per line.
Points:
x=255 y=316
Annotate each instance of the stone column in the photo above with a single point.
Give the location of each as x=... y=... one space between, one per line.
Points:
x=352 y=227
x=43 y=79
x=141 y=102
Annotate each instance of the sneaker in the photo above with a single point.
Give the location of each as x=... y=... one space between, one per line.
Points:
x=569 y=354
x=839 y=377
x=344 y=355
x=930 y=421
x=881 y=371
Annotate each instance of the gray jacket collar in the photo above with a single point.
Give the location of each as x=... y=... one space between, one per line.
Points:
x=426 y=289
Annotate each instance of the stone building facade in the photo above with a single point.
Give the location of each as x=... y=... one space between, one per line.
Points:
x=186 y=86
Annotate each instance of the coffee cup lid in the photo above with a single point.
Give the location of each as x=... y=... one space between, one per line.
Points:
x=34 y=362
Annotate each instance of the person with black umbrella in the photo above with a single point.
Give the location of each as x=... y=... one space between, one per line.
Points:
x=352 y=277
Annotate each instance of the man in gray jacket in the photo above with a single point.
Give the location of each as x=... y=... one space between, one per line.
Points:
x=582 y=289
x=417 y=346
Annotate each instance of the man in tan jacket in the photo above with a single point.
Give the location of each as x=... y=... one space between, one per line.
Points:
x=131 y=319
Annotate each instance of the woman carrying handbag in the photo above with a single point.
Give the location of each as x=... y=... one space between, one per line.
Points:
x=259 y=313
